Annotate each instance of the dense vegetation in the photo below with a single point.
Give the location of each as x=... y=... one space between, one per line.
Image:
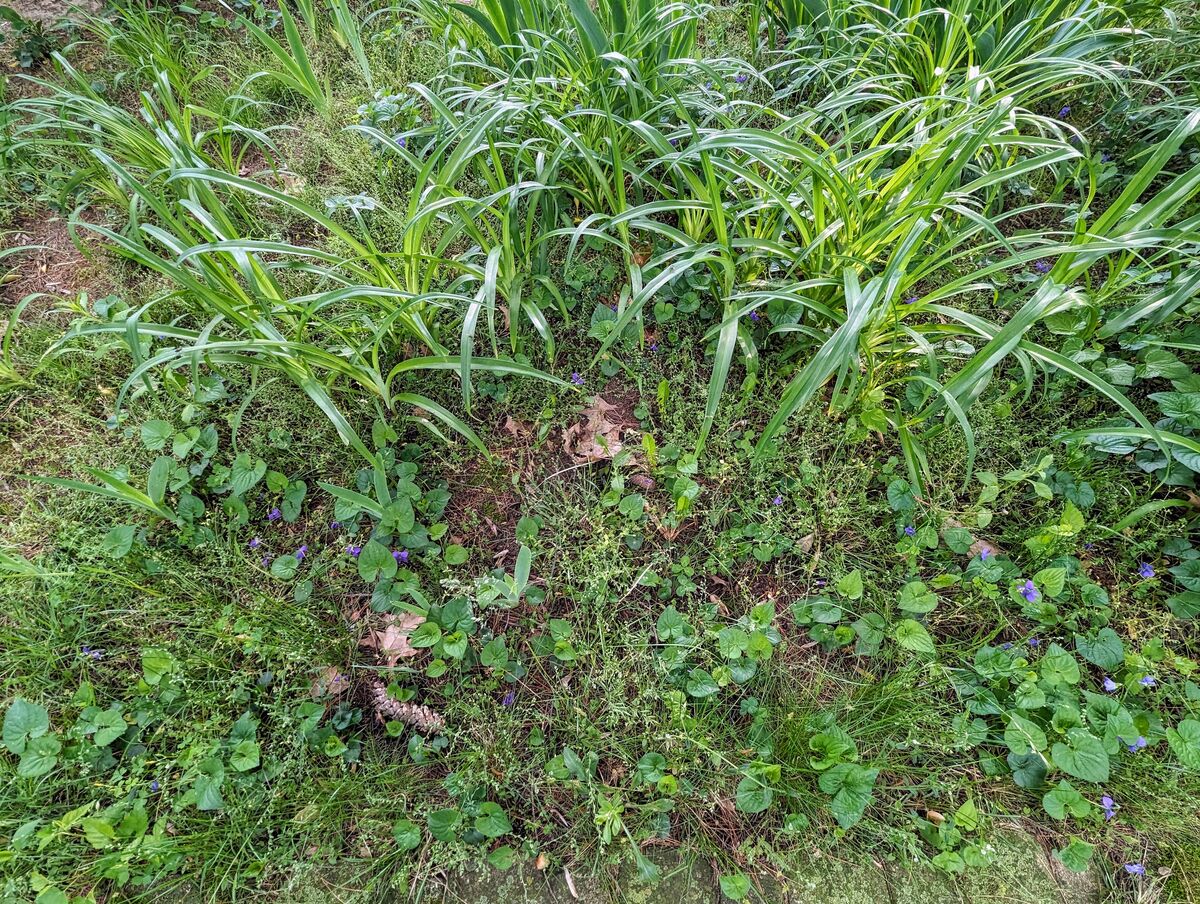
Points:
x=541 y=431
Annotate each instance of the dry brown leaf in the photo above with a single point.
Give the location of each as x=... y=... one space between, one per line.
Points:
x=597 y=438
x=329 y=683
x=391 y=644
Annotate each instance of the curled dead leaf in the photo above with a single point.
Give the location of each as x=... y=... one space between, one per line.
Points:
x=597 y=438
x=391 y=643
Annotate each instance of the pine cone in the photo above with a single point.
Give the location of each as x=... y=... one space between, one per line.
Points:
x=422 y=718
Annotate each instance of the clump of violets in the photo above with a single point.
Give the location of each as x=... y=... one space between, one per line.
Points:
x=1139 y=743
x=90 y=653
x=1145 y=570
x=400 y=555
x=1030 y=592
x=353 y=551
x=576 y=378
x=1064 y=112
x=1034 y=642
x=1041 y=266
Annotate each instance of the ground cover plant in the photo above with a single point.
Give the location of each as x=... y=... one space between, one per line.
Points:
x=548 y=434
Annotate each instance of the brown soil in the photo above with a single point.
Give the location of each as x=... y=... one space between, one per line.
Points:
x=53 y=265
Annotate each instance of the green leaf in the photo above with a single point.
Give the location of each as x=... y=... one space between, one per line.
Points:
x=1065 y=799
x=492 y=821
x=672 y=626
x=502 y=858
x=110 y=725
x=832 y=746
x=426 y=635
x=1058 y=666
x=245 y=473
x=1082 y=756
x=701 y=684
x=912 y=635
x=40 y=756
x=208 y=786
x=155 y=434
x=244 y=756
x=958 y=540
x=443 y=824
x=118 y=541
x=398 y=516
x=156 y=665
x=1185 y=605
x=851 y=585
x=1104 y=649
x=375 y=561
x=1184 y=740
x=632 y=506
x=1051 y=581
x=456 y=555
x=1075 y=856
x=753 y=795
x=1188 y=574
x=851 y=786
x=285 y=567
x=735 y=886
x=98 y=832
x=1023 y=736
x=156 y=481
x=407 y=834
x=24 y=721
x=916 y=597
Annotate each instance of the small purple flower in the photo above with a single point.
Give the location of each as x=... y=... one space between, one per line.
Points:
x=653 y=346
x=1041 y=266
x=778 y=500
x=909 y=530
x=266 y=561
x=1105 y=157
x=708 y=85
x=741 y=78
x=576 y=379
x=1064 y=112
x=1135 y=869
x=154 y=786
x=1089 y=546
x=255 y=543
x=674 y=142
x=984 y=553
x=90 y=653
x=1137 y=745
x=1145 y=570
x=1034 y=642
x=402 y=141
x=353 y=551
x=821 y=583
x=302 y=552
x=912 y=299
x=755 y=316
x=1030 y=592
x=335 y=525
x=1148 y=681
x=274 y=515
x=1110 y=685
x=509 y=699
x=1110 y=808
x=1006 y=646
x=400 y=555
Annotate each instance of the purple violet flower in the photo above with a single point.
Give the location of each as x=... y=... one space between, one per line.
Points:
x=1110 y=808
x=1064 y=112
x=1145 y=570
x=912 y=299
x=909 y=530
x=778 y=500
x=400 y=555
x=755 y=316
x=1034 y=642
x=274 y=514
x=576 y=378
x=1135 y=869
x=653 y=346
x=741 y=78
x=1148 y=681
x=1030 y=592
x=1041 y=266
x=509 y=699
x=1110 y=685
x=255 y=543
x=335 y=525
x=302 y=552
x=353 y=551
x=984 y=553
x=1137 y=745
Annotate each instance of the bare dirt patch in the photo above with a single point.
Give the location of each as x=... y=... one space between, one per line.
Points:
x=53 y=265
